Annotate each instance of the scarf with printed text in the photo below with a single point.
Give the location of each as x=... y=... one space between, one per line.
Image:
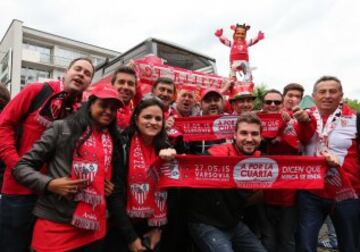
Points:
x=145 y=200
x=94 y=163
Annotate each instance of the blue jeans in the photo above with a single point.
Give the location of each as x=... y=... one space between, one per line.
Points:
x=312 y=211
x=277 y=228
x=211 y=239
x=16 y=222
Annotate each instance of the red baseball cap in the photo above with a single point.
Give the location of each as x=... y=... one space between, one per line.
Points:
x=106 y=91
x=205 y=92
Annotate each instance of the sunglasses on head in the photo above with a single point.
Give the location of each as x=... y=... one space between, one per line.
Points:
x=276 y=102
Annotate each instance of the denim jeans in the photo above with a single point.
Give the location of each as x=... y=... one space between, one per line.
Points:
x=16 y=222
x=312 y=211
x=277 y=228
x=211 y=239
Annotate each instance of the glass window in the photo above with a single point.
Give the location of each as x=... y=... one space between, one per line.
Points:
x=29 y=75
x=180 y=58
x=64 y=56
x=45 y=52
x=97 y=60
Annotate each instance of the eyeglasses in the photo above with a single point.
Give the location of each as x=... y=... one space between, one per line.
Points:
x=276 y=102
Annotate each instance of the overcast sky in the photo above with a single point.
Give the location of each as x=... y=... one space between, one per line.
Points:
x=303 y=39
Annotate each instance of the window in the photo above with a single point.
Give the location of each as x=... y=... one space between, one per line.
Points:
x=181 y=58
x=97 y=60
x=45 y=52
x=63 y=56
x=29 y=75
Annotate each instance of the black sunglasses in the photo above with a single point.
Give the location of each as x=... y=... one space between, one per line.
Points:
x=276 y=102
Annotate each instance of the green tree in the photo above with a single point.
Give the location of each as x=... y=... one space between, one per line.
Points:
x=259 y=92
x=354 y=104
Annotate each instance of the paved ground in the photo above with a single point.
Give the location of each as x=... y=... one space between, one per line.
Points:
x=323 y=236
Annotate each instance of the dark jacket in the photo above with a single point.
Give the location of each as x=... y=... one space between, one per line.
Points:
x=222 y=208
x=52 y=148
x=126 y=140
x=201 y=147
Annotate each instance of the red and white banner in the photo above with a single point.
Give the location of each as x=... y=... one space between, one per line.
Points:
x=275 y=172
x=272 y=124
x=208 y=128
x=150 y=68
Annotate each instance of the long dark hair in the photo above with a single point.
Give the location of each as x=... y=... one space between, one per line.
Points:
x=161 y=140
x=81 y=120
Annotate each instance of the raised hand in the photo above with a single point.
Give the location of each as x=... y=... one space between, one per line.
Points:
x=219 y=32
x=300 y=115
x=167 y=154
x=261 y=35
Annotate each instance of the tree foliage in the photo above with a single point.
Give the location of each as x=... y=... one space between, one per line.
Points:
x=259 y=92
x=354 y=104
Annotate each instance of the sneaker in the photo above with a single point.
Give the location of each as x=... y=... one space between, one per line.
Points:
x=327 y=244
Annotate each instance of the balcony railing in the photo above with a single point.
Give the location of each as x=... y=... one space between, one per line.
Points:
x=49 y=59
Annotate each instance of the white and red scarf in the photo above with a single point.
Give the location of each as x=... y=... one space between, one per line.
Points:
x=145 y=200
x=210 y=128
x=94 y=164
x=242 y=171
x=336 y=181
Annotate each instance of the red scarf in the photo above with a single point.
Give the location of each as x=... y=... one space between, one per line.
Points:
x=124 y=116
x=249 y=172
x=94 y=164
x=209 y=128
x=145 y=200
x=272 y=124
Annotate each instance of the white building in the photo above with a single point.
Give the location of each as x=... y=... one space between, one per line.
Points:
x=29 y=55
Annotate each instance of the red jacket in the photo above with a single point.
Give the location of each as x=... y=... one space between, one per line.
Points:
x=10 y=119
x=288 y=145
